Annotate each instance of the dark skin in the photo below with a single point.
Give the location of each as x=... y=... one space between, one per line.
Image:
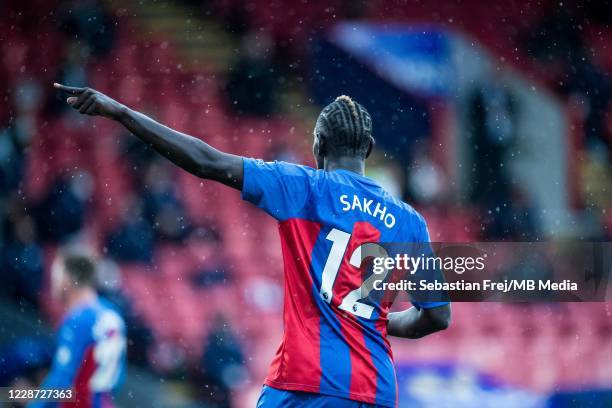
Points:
x=203 y=160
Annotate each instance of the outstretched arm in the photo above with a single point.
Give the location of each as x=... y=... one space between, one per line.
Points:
x=415 y=323
x=185 y=151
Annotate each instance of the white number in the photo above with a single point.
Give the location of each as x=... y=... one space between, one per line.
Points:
x=352 y=301
x=340 y=241
x=108 y=352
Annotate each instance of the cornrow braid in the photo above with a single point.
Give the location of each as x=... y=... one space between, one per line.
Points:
x=350 y=103
x=346 y=126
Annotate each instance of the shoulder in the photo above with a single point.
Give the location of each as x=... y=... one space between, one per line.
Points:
x=77 y=324
x=109 y=310
x=279 y=171
x=84 y=315
x=409 y=214
x=299 y=170
x=106 y=304
x=279 y=166
x=413 y=214
x=414 y=224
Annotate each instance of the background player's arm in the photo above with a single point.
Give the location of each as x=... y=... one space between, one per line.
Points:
x=185 y=151
x=416 y=322
x=71 y=347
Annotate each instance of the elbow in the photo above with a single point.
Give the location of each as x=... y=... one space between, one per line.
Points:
x=443 y=323
x=208 y=165
x=440 y=318
x=197 y=158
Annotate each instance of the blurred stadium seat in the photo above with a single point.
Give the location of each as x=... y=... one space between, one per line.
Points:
x=542 y=347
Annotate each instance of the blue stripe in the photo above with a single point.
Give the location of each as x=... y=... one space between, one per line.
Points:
x=96 y=400
x=335 y=357
x=386 y=385
x=385 y=371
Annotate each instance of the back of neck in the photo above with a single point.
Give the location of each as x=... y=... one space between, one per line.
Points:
x=354 y=164
x=80 y=296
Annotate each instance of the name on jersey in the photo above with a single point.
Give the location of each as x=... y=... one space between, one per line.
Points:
x=369 y=207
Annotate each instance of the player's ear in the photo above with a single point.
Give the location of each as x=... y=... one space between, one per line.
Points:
x=370 y=147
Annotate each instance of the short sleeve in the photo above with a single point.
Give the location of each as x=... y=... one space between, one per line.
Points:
x=280 y=189
x=422 y=238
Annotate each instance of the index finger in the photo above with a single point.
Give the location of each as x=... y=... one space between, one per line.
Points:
x=70 y=89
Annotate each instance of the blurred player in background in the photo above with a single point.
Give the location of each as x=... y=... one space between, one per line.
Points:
x=91 y=347
x=334 y=351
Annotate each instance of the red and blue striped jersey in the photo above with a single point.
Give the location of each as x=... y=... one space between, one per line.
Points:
x=90 y=356
x=334 y=343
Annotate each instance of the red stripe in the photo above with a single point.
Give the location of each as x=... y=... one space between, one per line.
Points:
x=363 y=370
x=82 y=392
x=301 y=316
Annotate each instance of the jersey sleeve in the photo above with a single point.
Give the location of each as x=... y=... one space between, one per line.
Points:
x=423 y=241
x=280 y=189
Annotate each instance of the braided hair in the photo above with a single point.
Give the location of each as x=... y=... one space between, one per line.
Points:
x=346 y=126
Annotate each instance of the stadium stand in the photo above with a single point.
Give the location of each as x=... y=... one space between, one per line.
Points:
x=230 y=251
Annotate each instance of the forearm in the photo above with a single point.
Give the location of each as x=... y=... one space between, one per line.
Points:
x=185 y=151
x=415 y=323
x=407 y=324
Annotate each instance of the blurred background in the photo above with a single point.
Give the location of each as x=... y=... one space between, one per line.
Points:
x=494 y=120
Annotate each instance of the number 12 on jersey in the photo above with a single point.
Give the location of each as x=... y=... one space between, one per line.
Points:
x=353 y=302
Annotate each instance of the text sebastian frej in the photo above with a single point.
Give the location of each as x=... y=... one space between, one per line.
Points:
x=509 y=285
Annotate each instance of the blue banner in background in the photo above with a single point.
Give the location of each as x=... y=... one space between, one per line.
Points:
x=450 y=385
x=415 y=59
